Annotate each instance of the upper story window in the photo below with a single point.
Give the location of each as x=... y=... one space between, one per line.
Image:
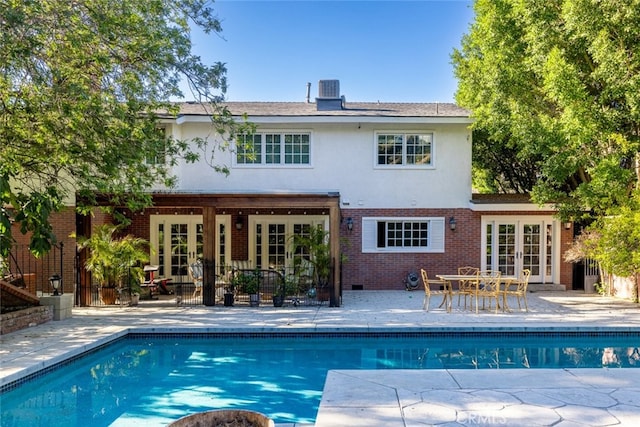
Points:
x=274 y=149
x=404 y=149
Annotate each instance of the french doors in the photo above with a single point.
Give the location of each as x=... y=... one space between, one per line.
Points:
x=271 y=243
x=177 y=241
x=512 y=244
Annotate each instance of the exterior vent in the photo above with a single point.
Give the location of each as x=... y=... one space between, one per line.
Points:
x=329 y=98
x=329 y=89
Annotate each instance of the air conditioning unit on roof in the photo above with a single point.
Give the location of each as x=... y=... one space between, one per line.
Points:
x=329 y=89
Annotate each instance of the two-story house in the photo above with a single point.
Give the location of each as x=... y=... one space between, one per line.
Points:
x=390 y=182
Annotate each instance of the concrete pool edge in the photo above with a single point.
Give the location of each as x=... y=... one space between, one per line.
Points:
x=52 y=356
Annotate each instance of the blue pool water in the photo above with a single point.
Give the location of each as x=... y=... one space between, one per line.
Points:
x=153 y=380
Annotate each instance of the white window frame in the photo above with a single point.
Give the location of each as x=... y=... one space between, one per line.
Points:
x=551 y=261
x=282 y=164
x=404 y=134
x=435 y=233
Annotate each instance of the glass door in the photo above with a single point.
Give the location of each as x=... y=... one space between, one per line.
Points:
x=513 y=244
x=271 y=245
x=177 y=241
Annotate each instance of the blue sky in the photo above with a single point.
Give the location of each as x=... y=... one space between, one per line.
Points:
x=387 y=51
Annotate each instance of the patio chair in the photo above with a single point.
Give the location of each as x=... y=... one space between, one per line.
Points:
x=428 y=291
x=488 y=287
x=196 y=272
x=466 y=287
x=520 y=290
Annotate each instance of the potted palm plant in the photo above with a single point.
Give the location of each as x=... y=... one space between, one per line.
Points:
x=112 y=259
x=316 y=244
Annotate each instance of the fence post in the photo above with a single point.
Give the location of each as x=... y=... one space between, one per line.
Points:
x=209 y=283
x=61 y=268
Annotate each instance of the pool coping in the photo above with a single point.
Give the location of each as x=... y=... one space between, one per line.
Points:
x=46 y=363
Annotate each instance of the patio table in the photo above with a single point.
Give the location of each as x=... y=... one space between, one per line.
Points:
x=505 y=282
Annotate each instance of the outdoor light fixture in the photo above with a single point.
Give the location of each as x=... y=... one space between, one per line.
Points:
x=55 y=281
x=350 y=224
x=239 y=223
x=567 y=225
x=452 y=224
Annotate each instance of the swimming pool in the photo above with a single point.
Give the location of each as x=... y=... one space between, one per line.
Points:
x=152 y=379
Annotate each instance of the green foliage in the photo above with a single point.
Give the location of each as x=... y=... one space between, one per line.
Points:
x=247 y=282
x=618 y=246
x=316 y=244
x=113 y=259
x=290 y=286
x=614 y=242
x=554 y=87
x=501 y=167
x=84 y=86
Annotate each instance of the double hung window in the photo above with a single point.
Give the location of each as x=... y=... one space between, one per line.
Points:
x=274 y=149
x=404 y=149
x=406 y=234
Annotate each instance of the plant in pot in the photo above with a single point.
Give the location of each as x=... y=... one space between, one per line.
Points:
x=248 y=283
x=134 y=285
x=316 y=245
x=230 y=287
x=285 y=285
x=112 y=259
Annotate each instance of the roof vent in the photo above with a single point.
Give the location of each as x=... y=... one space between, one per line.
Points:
x=329 y=89
x=329 y=96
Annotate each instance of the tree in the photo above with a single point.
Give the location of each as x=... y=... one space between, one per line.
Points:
x=499 y=167
x=614 y=242
x=84 y=85
x=558 y=83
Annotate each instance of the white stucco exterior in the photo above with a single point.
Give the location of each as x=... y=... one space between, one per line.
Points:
x=343 y=160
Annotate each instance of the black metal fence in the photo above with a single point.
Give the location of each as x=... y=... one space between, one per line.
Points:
x=33 y=274
x=237 y=287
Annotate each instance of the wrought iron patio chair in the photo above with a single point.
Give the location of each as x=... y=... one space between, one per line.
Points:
x=196 y=272
x=428 y=291
x=518 y=289
x=466 y=287
x=488 y=287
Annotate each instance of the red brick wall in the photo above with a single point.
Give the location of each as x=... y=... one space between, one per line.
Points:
x=64 y=224
x=379 y=271
x=388 y=270
x=462 y=247
x=566 y=268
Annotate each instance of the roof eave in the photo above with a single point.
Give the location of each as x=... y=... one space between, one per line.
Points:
x=192 y=118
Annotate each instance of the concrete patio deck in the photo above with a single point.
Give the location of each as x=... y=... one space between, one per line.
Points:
x=567 y=397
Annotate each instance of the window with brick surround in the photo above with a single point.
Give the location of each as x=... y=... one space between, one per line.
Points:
x=274 y=149
x=403 y=234
x=404 y=149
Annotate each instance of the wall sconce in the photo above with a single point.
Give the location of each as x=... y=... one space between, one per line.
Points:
x=567 y=225
x=452 y=224
x=239 y=223
x=55 y=282
x=350 y=224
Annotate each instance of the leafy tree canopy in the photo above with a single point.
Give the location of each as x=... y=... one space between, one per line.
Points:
x=82 y=83
x=557 y=84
